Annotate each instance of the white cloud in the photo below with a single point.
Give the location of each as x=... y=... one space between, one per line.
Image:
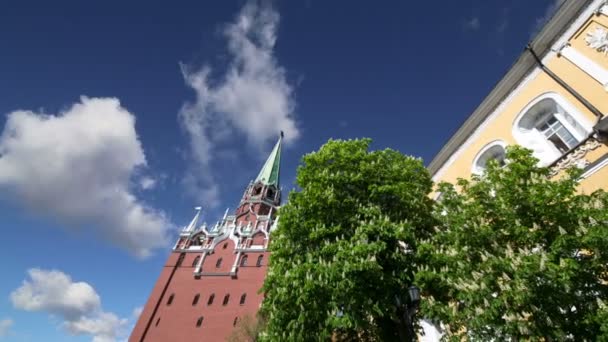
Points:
x=251 y=98
x=472 y=24
x=5 y=326
x=137 y=312
x=76 y=303
x=147 y=183
x=104 y=326
x=76 y=167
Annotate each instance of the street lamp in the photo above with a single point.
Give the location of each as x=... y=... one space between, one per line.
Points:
x=410 y=307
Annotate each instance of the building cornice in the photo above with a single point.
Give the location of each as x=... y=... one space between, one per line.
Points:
x=551 y=33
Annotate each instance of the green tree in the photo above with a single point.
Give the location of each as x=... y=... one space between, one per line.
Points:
x=518 y=256
x=345 y=244
x=247 y=329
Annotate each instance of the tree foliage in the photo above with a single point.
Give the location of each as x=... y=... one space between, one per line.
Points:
x=247 y=329
x=518 y=256
x=345 y=244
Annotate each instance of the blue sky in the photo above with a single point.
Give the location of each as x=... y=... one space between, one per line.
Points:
x=119 y=117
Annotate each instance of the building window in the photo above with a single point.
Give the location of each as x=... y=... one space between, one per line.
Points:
x=236 y=320
x=225 y=245
x=195 y=300
x=259 y=262
x=557 y=134
x=244 y=260
x=226 y=299
x=211 y=298
x=180 y=259
x=218 y=263
x=199 y=322
x=492 y=151
x=196 y=260
x=243 y=298
x=270 y=194
x=170 y=300
x=157 y=321
x=550 y=127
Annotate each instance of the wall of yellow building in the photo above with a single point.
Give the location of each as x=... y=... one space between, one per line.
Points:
x=500 y=127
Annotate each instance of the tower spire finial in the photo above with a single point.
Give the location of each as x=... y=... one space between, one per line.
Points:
x=269 y=175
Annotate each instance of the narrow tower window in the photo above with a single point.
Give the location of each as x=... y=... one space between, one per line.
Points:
x=270 y=194
x=236 y=320
x=170 y=300
x=196 y=260
x=211 y=298
x=244 y=260
x=157 y=321
x=195 y=300
x=218 y=263
x=226 y=299
x=259 y=262
x=199 y=322
x=243 y=298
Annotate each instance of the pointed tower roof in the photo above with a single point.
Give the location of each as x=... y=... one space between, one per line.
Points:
x=269 y=175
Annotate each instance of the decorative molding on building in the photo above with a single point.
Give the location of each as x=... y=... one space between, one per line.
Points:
x=595 y=167
x=596 y=71
x=598 y=40
x=603 y=8
x=576 y=157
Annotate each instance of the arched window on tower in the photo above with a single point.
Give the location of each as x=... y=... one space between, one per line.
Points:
x=196 y=260
x=259 y=262
x=226 y=300
x=157 y=322
x=236 y=320
x=244 y=260
x=195 y=300
x=170 y=300
x=199 y=322
x=211 y=298
x=243 y=298
x=218 y=263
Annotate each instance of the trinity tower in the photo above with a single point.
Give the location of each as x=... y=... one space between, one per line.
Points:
x=213 y=275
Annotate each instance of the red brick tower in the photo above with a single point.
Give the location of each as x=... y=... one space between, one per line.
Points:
x=213 y=275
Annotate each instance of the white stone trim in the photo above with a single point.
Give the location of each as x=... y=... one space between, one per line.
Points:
x=485 y=123
x=591 y=68
x=595 y=169
x=604 y=9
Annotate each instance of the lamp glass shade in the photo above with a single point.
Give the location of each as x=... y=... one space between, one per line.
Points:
x=414 y=293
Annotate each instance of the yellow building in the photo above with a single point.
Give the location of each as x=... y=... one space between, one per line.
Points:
x=553 y=100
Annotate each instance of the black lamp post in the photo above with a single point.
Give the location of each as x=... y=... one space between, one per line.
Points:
x=410 y=311
x=410 y=307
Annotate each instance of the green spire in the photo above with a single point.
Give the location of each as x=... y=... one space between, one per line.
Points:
x=269 y=175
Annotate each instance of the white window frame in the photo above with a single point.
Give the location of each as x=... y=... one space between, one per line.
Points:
x=477 y=170
x=545 y=151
